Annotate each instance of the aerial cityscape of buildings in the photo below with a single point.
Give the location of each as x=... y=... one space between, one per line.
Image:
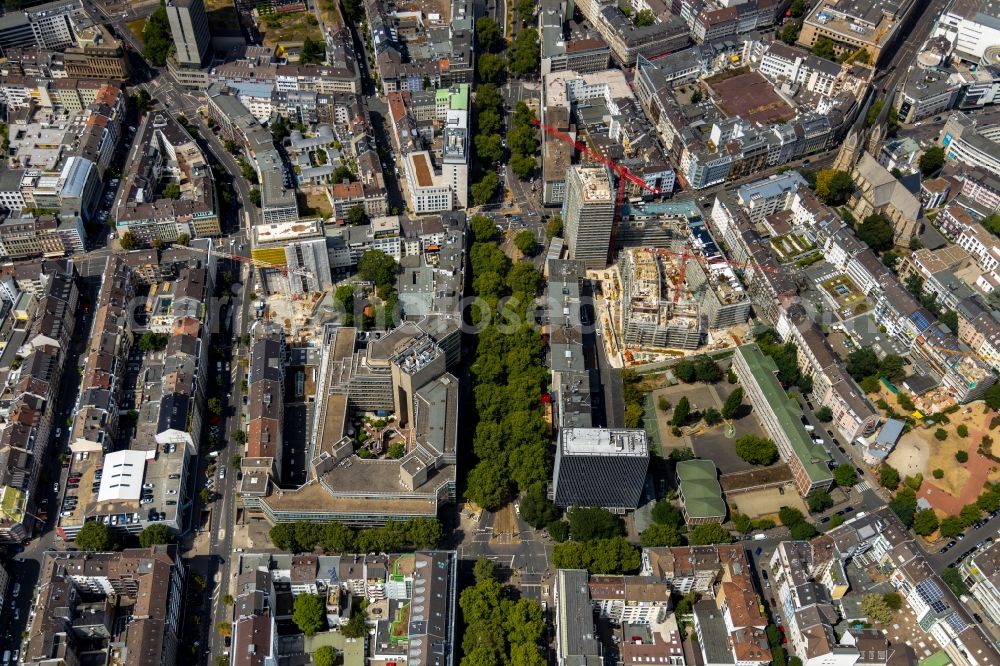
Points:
x=411 y=333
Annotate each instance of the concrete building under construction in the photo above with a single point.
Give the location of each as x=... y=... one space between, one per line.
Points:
x=724 y=301
x=656 y=313
x=651 y=317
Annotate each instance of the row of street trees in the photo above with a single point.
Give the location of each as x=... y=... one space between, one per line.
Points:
x=509 y=375
x=335 y=537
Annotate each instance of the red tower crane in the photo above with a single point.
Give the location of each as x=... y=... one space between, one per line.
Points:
x=623 y=172
x=623 y=175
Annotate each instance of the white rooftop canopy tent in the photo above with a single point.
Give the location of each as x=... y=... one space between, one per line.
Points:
x=123 y=473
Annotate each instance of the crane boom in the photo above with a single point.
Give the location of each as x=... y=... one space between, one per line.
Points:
x=620 y=169
x=259 y=263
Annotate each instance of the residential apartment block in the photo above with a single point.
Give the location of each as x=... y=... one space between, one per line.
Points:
x=42 y=328
x=982 y=570
x=780 y=417
x=879 y=540
x=81 y=604
x=169 y=157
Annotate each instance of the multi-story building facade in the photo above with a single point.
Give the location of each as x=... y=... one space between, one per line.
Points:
x=983 y=570
x=189 y=28
x=588 y=212
x=809 y=581
x=600 y=467
x=429 y=191
x=783 y=63
x=778 y=416
x=880 y=541
x=77 y=590
x=169 y=156
x=873 y=27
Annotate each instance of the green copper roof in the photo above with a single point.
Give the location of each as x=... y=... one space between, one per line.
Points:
x=700 y=488
x=812 y=456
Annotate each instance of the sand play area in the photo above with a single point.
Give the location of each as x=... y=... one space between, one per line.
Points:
x=919 y=451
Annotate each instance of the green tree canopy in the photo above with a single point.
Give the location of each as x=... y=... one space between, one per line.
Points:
x=282 y=536
x=356 y=626
x=554 y=227
x=490 y=67
x=484 y=190
x=709 y=533
x=537 y=509
x=789 y=516
x=931 y=160
x=156 y=534
x=888 y=477
x=128 y=241
x=951 y=527
x=802 y=531
x=644 y=18
x=819 y=501
x=488 y=35
x=876 y=231
x=525 y=54
x=488 y=98
x=707 y=370
x=488 y=148
x=845 y=475
x=324 y=656
x=660 y=535
x=824 y=48
x=484 y=569
x=875 y=609
x=685 y=371
x=682 y=412
x=313 y=52
x=952 y=577
x=525 y=242
x=862 y=363
x=602 y=556
x=904 y=505
x=756 y=450
x=524 y=280
x=378 y=267
x=523 y=165
x=95 y=536
x=356 y=215
x=925 y=522
x=488 y=486
x=790 y=32
x=156 y=37
x=833 y=186
x=665 y=513
x=590 y=523
x=483 y=228
x=734 y=401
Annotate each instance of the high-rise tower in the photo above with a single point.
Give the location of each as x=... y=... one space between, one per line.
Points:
x=189 y=27
x=589 y=214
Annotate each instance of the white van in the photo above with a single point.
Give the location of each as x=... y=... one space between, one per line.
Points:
x=6 y=657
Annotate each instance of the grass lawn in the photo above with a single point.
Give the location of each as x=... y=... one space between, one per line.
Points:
x=313 y=204
x=289 y=28
x=136 y=27
x=849 y=298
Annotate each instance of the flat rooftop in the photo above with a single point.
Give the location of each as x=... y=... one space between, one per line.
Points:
x=813 y=457
x=604 y=442
x=287 y=231
x=422 y=169
x=751 y=97
x=596 y=183
x=314 y=498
